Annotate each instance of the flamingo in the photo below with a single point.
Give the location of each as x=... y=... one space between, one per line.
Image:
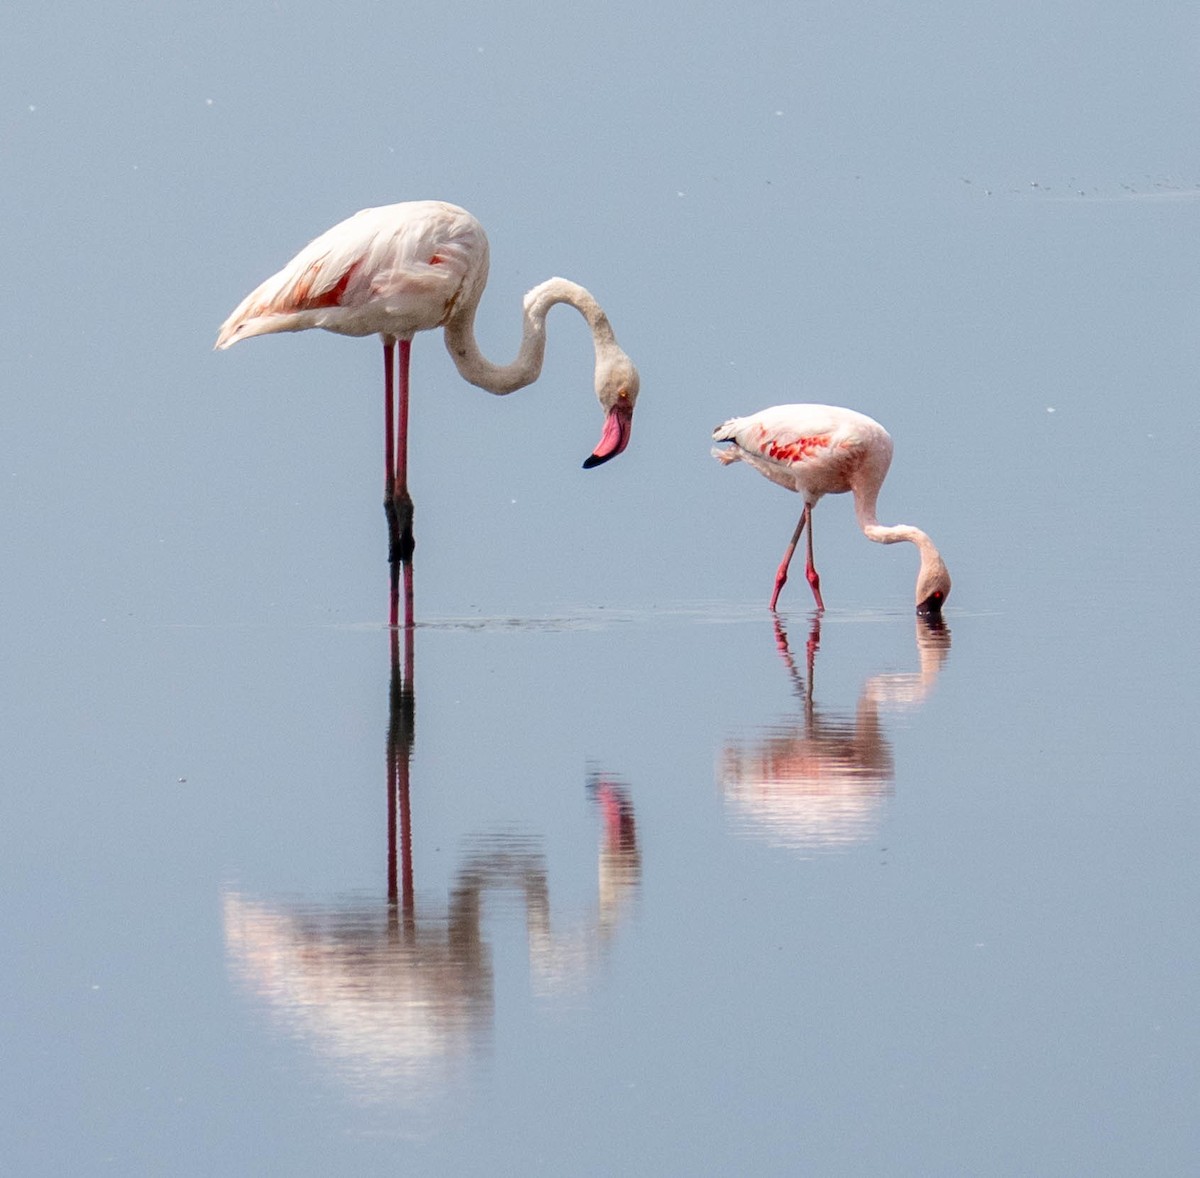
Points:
x=823 y=450
x=416 y=266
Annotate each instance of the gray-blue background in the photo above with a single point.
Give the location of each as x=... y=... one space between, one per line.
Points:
x=977 y=226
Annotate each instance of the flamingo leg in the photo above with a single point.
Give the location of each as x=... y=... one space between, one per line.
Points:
x=782 y=572
x=389 y=452
x=809 y=570
x=400 y=496
x=397 y=503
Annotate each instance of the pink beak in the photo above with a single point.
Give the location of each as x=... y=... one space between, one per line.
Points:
x=617 y=427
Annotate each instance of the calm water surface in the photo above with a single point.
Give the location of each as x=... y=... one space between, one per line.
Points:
x=671 y=890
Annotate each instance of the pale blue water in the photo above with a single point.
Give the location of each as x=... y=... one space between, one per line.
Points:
x=665 y=898
x=665 y=915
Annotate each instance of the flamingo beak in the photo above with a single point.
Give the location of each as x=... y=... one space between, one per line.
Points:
x=617 y=427
x=931 y=607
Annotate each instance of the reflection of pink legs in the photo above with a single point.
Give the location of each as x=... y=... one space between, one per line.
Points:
x=802 y=685
x=399 y=749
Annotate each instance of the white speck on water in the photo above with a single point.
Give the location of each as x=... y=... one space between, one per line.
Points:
x=1050 y=409
x=32 y=108
x=778 y=114
x=181 y=780
x=208 y=102
x=678 y=193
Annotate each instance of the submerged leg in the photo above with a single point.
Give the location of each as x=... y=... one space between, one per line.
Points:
x=809 y=570
x=782 y=572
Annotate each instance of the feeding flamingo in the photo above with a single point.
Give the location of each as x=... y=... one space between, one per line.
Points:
x=416 y=266
x=822 y=450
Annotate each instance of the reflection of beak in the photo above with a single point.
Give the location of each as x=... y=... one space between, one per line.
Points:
x=617 y=427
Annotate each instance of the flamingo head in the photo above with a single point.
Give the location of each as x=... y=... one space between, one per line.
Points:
x=933 y=587
x=617 y=384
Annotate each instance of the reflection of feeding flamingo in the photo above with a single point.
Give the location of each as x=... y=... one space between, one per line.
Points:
x=820 y=782
x=821 y=450
x=416 y=266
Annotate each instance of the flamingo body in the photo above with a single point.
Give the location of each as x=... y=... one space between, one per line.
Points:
x=390 y=271
x=400 y=269
x=818 y=450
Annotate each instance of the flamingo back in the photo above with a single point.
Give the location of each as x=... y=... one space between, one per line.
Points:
x=393 y=270
x=814 y=450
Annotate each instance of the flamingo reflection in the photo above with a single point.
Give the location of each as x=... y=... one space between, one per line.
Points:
x=819 y=781
x=395 y=995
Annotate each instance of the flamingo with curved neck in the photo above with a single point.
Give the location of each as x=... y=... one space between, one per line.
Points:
x=416 y=266
x=819 y=450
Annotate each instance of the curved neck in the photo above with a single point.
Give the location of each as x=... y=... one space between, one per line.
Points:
x=474 y=367
x=864 y=510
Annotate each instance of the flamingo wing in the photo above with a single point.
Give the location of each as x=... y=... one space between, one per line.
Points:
x=393 y=270
x=783 y=433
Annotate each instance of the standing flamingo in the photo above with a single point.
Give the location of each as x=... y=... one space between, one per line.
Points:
x=415 y=266
x=821 y=450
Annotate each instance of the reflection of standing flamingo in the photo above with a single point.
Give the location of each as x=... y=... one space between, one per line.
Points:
x=404 y=268
x=821 y=450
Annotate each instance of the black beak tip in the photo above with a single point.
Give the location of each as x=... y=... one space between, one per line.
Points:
x=595 y=460
x=931 y=607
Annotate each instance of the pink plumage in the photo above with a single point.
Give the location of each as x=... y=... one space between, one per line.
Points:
x=818 y=450
x=416 y=266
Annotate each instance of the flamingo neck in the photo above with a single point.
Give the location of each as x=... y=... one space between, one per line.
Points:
x=864 y=509
x=475 y=368
x=899 y=532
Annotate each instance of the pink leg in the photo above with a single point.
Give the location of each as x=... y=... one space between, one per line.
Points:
x=397 y=502
x=389 y=419
x=389 y=454
x=402 y=421
x=400 y=495
x=782 y=572
x=809 y=570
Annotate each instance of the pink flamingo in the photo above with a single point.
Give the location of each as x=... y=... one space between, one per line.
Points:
x=822 y=450
x=416 y=266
